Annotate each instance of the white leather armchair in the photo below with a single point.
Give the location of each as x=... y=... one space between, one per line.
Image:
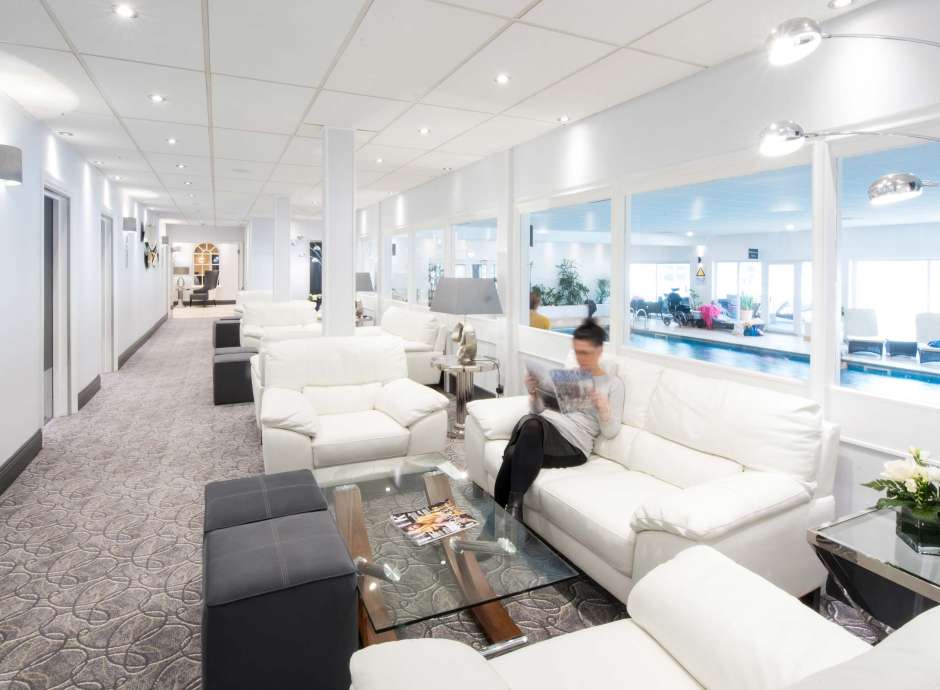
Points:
x=424 y=337
x=697 y=621
x=330 y=402
x=263 y=318
x=697 y=461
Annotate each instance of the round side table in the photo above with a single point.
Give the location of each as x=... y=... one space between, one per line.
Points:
x=464 y=374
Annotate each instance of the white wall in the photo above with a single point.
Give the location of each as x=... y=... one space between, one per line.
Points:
x=260 y=254
x=48 y=160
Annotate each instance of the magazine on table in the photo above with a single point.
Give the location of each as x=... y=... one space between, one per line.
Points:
x=564 y=390
x=437 y=521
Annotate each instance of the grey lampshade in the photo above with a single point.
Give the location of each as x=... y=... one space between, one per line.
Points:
x=466 y=296
x=181 y=270
x=364 y=282
x=130 y=224
x=11 y=166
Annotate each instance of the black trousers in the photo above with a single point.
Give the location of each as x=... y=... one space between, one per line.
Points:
x=525 y=456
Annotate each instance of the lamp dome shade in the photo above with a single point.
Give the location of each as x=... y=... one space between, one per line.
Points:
x=793 y=40
x=11 y=166
x=895 y=188
x=781 y=138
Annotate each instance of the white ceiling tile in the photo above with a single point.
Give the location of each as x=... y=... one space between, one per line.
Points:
x=26 y=22
x=135 y=178
x=363 y=137
x=175 y=181
x=244 y=170
x=444 y=123
x=92 y=130
x=400 y=181
x=194 y=165
x=167 y=32
x=304 y=151
x=128 y=86
x=235 y=184
x=532 y=57
x=723 y=29
x=115 y=159
x=191 y=140
x=257 y=105
x=351 y=111
x=365 y=178
x=616 y=21
x=367 y=158
x=297 y=173
x=290 y=41
x=310 y=131
x=435 y=162
x=248 y=146
x=498 y=134
x=263 y=207
x=289 y=188
x=504 y=8
x=403 y=47
x=618 y=78
x=367 y=197
x=47 y=82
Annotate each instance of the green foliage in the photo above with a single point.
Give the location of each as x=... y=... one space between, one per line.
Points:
x=602 y=292
x=747 y=302
x=570 y=289
x=549 y=295
x=693 y=298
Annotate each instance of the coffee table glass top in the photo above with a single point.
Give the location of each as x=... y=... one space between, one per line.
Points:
x=873 y=535
x=436 y=579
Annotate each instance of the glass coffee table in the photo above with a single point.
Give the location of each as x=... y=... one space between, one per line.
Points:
x=401 y=582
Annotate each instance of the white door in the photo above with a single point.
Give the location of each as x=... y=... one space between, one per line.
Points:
x=107 y=294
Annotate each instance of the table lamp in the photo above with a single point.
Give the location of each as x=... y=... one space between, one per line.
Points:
x=466 y=296
x=363 y=284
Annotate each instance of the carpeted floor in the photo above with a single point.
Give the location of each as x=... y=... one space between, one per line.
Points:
x=101 y=536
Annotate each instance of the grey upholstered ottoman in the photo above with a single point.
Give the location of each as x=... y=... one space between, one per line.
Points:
x=280 y=605
x=226 y=333
x=231 y=375
x=234 y=502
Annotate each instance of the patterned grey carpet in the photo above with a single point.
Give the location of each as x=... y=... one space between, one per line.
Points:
x=101 y=536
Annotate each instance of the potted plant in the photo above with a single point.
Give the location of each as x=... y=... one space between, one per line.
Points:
x=913 y=486
x=746 y=308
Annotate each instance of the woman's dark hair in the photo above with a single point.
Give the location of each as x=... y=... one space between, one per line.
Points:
x=591 y=331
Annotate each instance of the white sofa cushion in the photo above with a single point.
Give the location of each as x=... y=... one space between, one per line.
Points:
x=776 y=432
x=421 y=326
x=283 y=408
x=342 y=399
x=746 y=634
x=676 y=464
x=640 y=379
x=406 y=401
x=615 y=655
x=416 y=346
x=710 y=510
x=296 y=313
x=595 y=504
x=334 y=362
x=617 y=448
x=498 y=416
x=361 y=436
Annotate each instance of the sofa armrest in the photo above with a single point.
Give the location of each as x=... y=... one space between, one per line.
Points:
x=730 y=628
x=709 y=510
x=428 y=663
x=407 y=401
x=498 y=416
x=283 y=408
x=252 y=331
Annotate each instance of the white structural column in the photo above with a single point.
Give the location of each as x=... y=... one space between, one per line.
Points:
x=508 y=266
x=619 y=265
x=339 y=229
x=281 y=249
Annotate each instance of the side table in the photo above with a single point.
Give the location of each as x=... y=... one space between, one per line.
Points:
x=464 y=374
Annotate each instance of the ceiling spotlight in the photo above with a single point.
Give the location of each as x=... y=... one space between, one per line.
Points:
x=117 y=178
x=791 y=226
x=157 y=98
x=187 y=183
x=125 y=11
x=379 y=161
x=502 y=79
x=171 y=141
x=563 y=119
x=424 y=131
x=192 y=196
x=447 y=169
x=65 y=133
x=897 y=187
x=97 y=162
x=784 y=137
x=839 y=4
x=180 y=165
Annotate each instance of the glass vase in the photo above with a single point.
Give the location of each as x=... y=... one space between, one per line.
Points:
x=921 y=535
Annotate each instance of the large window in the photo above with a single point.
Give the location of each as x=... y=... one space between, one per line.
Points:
x=721 y=271
x=398 y=259
x=429 y=263
x=567 y=265
x=475 y=249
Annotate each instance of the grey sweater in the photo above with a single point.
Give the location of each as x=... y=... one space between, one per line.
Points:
x=581 y=428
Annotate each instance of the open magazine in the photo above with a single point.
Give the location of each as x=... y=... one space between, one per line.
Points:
x=437 y=521
x=564 y=390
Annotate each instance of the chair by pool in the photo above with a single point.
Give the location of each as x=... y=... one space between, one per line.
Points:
x=928 y=331
x=861 y=332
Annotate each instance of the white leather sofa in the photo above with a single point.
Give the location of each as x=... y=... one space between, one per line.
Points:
x=698 y=461
x=243 y=296
x=697 y=621
x=261 y=318
x=424 y=335
x=330 y=402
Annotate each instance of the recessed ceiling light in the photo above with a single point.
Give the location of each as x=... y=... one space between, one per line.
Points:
x=839 y=4
x=125 y=11
x=502 y=79
x=379 y=160
x=791 y=226
x=156 y=98
x=180 y=165
x=117 y=178
x=187 y=183
x=424 y=131
x=171 y=141
x=65 y=133
x=563 y=119
x=689 y=233
x=192 y=196
x=447 y=169
x=97 y=162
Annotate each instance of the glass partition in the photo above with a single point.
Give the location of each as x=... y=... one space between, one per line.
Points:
x=475 y=249
x=721 y=271
x=567 y=254
x=399 y=258
x=429 y=263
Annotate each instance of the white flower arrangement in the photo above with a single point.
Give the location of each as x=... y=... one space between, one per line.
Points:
x=911 y=482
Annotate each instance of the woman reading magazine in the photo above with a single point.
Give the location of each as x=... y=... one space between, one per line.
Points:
x=551 y=438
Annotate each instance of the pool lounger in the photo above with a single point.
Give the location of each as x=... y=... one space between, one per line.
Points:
x=866 y=344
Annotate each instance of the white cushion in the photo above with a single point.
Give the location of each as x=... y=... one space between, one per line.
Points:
x=640 y=379
x=272 y=334
x=676 y=464
x=334 y=362
x=358 y=436
x=731 y=629
x=342 y=399
x=414 y=664
x=406 y=401
x=498 y=416
x=595 y=504
x=416 y=346
x=297 y=313
x=710 y=510
x=618 y=447
x=411 y=325
x=615 y=655
x=287 y=409
x=759 y=429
